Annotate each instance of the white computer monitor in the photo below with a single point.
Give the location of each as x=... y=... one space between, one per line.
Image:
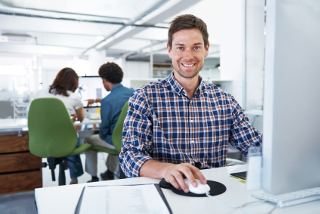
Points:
x=291 y=126
x=91 y=87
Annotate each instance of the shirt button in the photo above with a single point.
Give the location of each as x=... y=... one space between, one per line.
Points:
x=191 y=141
x=191 y=121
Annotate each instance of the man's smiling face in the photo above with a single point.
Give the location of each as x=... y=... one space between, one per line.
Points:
x=187 y=52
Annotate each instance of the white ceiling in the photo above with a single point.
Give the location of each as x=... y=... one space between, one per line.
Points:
x=73 y=27
x=115 y=8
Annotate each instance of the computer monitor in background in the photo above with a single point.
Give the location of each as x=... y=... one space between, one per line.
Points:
x=91 y=87
x=291 y=140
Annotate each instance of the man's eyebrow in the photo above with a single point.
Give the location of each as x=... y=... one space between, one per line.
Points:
x=199 y=43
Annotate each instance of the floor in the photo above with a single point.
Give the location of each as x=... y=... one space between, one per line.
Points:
x=46 y=173
x=18 y=203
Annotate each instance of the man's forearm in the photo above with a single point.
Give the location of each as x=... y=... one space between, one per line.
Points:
x=154 y=169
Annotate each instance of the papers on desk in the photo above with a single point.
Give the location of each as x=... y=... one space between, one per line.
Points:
x=136 y=199
x=94 y=116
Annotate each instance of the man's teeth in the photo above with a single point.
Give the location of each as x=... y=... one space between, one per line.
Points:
x=188 y=65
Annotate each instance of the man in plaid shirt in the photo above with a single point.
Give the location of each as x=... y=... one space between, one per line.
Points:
x=180 y=124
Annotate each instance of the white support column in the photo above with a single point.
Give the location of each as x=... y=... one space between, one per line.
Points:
x=232 y=52
x=151 y=61
x=40 y=75
x=96 y=59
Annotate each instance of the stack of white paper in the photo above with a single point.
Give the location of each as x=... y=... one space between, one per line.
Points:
x=138 y=199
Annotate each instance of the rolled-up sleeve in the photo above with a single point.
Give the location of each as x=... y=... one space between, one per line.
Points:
x=137 y=137
x=243 y=134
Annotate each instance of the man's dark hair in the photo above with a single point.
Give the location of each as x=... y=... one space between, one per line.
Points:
x=111 y=72
x=187 y=21
x=66 y=80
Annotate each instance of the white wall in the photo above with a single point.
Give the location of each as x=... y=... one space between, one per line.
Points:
x=136 y=70
x=232 y=52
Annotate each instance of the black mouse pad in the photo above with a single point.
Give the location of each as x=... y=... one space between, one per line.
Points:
x=216 y=188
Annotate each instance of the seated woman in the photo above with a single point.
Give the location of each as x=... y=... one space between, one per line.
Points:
x=63 y=88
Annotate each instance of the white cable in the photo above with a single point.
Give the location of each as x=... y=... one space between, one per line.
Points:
x=242 y=206
x=210 y=196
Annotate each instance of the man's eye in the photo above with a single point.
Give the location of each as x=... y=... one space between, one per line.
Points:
x=196 y=48
x=180 y=48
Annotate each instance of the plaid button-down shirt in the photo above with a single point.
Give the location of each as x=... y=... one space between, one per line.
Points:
x=162 y=123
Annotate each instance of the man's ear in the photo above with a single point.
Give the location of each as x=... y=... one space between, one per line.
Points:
x=169 y=50
x=207 y=49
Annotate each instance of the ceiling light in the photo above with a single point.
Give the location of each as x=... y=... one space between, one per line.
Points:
x=16 y=34
x=17 y=38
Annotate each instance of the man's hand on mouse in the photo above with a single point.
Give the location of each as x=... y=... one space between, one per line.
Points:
x=176 y=173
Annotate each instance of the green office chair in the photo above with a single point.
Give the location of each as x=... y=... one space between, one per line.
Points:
x=52 y=134
x=116 y=136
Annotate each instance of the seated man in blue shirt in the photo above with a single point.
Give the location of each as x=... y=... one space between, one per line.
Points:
x=111 y=106
x=180 y=124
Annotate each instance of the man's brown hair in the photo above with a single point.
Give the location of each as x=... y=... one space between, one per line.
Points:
x=187 y=21
x=111 y=72
x=66 y=80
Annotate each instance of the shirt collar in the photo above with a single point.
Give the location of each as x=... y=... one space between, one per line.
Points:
x=116 y=86
x=179 y=89
x=175 y=84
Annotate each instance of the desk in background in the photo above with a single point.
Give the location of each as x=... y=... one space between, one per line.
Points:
x=19 y=169
x=63 y=199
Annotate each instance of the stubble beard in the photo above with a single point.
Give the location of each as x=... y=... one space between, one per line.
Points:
x=179 y=71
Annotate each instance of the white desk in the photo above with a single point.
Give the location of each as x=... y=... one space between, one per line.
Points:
x=13 y=124
x=87 y=121
x=8 y=125
x=20 y=126
x=254 y=112
x=63 y=199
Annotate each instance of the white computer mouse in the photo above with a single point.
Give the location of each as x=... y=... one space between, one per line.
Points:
x=200 y=189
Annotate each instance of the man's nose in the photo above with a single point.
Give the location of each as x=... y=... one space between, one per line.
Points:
x=188 y=54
